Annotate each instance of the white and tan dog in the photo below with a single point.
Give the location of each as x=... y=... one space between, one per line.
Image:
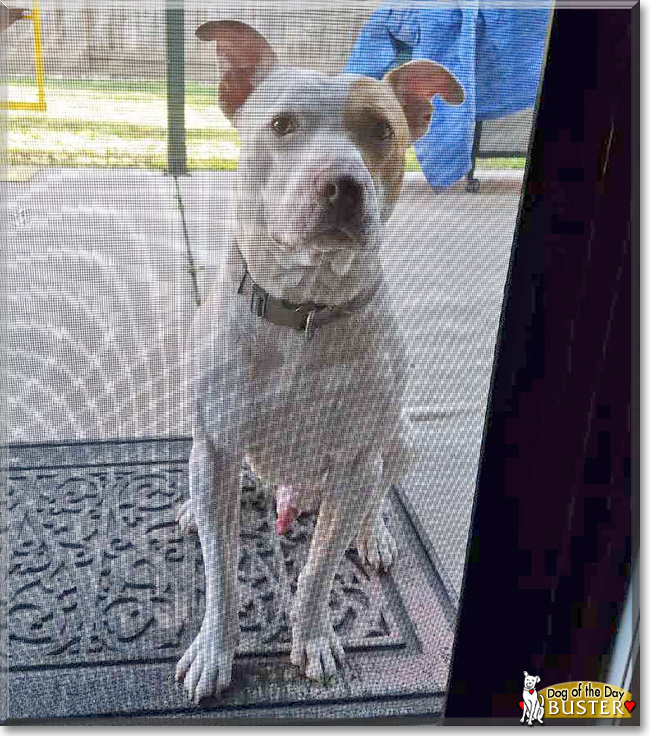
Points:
x=533 y=702
x=297 y=357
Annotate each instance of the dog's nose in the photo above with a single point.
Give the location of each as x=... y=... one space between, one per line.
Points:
x=343 y=200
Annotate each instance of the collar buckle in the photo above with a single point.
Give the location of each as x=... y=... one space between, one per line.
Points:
x=310 y=326
x=307 y=324
x=259 y=300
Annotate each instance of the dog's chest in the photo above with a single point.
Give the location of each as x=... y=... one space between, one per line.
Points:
x=300 y=383
x=310 y=404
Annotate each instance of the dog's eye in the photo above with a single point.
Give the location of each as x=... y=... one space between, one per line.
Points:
x=381 y=130
x=283 y=124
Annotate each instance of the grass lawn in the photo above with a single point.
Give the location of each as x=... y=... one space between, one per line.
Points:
x=106 y=123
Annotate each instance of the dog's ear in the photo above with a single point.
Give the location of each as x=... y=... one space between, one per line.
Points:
x=525 y=673
x=538 y=679
x=245 y=58
x=415 y=83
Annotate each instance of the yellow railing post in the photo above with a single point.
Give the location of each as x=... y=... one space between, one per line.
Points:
x=38 y=54
x=40 y=106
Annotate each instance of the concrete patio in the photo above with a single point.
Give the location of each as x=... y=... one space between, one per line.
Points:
x=98 y=297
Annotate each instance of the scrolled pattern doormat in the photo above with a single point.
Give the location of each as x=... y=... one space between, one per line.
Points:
x=102 y=593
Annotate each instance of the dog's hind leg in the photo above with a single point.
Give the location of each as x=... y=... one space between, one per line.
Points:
x=185 y=517
x=315 y=646
x=215 y=490
x=374 y=542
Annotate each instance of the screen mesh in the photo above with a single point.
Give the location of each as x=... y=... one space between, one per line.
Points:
x=120 y=201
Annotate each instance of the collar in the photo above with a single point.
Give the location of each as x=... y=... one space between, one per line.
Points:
x=307 y=317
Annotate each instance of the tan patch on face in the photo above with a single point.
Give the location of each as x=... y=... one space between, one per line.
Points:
x=371 y=104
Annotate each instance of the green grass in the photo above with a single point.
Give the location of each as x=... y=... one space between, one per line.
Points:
x=121 y=124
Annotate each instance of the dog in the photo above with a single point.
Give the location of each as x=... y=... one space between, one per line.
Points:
x=533 y=703
x=297 y=360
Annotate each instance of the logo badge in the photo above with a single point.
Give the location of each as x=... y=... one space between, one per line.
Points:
x=573 y=700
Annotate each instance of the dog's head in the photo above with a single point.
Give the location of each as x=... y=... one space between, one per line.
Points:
x=321 y=163
x=530 y=681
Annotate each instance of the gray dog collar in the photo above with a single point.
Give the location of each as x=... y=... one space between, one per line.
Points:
x=305 y=317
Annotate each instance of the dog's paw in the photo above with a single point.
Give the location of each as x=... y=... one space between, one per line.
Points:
x=185 y=518
x=206 y=666
x=317 y=657
x=376 y=545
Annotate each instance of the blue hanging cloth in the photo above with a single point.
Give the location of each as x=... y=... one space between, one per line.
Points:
x=496 y=53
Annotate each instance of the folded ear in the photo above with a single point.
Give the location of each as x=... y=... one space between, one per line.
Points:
x=415 y=83
x=245 y=58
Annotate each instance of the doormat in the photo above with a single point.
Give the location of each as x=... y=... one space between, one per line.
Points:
x=102 y=594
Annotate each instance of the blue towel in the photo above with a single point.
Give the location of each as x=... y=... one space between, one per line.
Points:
x=496 y=54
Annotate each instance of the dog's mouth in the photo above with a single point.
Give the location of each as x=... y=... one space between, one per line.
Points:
x=328 y=240
x=340 y=239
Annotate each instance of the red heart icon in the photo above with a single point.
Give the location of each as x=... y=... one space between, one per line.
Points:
x=629 y=704
x=521 y=704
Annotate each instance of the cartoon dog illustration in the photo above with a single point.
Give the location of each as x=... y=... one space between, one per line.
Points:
x=533 y=703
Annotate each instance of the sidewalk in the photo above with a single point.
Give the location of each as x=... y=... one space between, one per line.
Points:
x=98 y=298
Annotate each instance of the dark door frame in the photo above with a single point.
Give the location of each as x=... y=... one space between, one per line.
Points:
x=555 y=522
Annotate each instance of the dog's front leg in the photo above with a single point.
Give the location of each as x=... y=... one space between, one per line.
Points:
x=531 y=711
x=215 y=490
x=315 y=646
